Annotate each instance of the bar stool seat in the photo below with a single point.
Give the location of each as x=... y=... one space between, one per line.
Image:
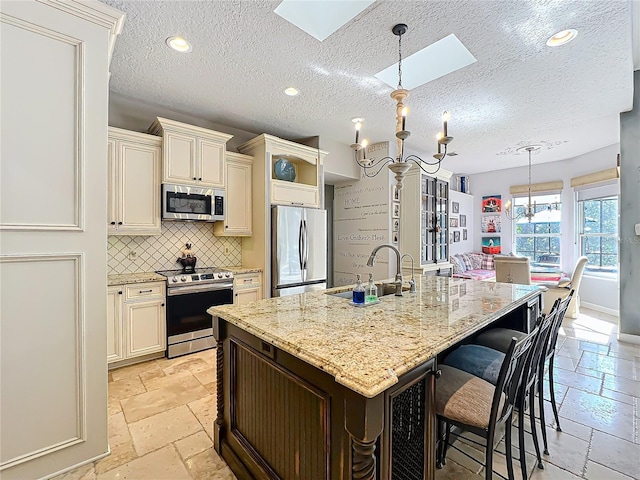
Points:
x=478 y=360
x=498 y=338
x=464 y=397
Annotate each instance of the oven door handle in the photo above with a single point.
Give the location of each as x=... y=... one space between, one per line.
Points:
x=198 y=289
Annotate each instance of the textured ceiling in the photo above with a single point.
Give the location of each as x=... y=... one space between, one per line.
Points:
x=519 y=91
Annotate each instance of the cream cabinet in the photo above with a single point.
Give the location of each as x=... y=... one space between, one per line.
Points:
x=424 y=219
x=247 y=287
x=136 y=320
x=133 y=183
x=191 y=155
x=114 y=323
x=237 y=220
x=306 y=189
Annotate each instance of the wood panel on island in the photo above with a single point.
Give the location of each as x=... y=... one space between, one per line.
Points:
x=302 y=395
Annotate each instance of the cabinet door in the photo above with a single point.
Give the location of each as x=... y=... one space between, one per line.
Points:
x=112 y=186
x=178 y=158
x=114 y=324
x=139 y=197
x=247 y=295
x=290 y=193
x=238 y=216
x=146 y=330
x=210 y=163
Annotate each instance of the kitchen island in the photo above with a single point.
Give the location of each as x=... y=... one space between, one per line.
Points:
x=311 y=387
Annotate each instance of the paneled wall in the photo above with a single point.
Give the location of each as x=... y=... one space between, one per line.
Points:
x=161 y=252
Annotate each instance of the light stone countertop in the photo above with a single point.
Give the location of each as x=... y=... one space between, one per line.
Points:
x=366 y=349
x=241 y=270
x=127 y=278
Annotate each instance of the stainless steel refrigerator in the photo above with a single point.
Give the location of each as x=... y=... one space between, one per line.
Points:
x=298 y=250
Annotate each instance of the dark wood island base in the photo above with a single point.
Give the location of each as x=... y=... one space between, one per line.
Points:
x=281 y=417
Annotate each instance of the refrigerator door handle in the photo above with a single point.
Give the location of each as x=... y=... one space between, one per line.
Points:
x=306 y=244
x=301 y=246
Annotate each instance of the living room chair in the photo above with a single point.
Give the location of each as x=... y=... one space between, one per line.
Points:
x=562 y=288
x=512 y=269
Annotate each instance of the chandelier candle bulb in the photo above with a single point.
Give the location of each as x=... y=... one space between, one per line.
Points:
x=364 y=149
x=404 y=118
x=445 y=119
x=358 y=126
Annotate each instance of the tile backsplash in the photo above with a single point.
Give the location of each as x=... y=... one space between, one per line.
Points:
x=161 y=252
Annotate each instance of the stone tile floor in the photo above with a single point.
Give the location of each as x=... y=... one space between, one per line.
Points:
x=597 y=391
x=161 y=414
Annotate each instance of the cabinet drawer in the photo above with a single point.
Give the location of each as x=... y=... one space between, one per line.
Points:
x=139 y=291
x=247 y=280
x=289 y=193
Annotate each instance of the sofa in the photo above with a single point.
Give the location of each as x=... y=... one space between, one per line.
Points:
x=475 y=266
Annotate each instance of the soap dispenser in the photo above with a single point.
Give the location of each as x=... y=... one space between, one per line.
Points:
x=371 y=294
x=358 y=292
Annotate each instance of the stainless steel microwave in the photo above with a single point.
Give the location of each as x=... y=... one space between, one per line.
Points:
x=186 y=202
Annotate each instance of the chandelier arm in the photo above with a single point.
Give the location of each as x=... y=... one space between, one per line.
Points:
x=428 y=172
x=416 y=159
x=368 y=166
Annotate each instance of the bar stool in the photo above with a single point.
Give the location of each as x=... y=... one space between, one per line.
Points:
x=499 y=338
x=475 y=358
x=472 y=404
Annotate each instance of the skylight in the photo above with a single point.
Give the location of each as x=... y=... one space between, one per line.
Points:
x=432 y=62
x=320 y=18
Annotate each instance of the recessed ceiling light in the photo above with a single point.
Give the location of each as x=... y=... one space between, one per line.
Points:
x=291 y=91
x=179 y=44
x=560 y=38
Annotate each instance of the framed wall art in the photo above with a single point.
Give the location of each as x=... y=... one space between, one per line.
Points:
x=463 y=220
x=455 y=207
x=492 y=204
x=491 y=224
x=453 y=222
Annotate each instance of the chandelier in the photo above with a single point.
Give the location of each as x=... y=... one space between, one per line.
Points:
x=400 y=164
x=530 y=210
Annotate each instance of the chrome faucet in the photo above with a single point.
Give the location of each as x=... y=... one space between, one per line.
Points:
x=412 y=282
x=398 y=282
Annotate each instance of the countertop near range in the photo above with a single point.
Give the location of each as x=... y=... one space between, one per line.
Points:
x=366 y=349
x=241 y=270
x=127 y=278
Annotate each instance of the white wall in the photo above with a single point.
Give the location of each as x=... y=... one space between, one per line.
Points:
x=595 y=291
x=466 y=207
x=362 y=221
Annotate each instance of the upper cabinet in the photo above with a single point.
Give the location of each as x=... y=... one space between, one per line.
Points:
x=424 y=218
x=293 y=171
x=133 y=183
x=191 y=155
x=237 y=220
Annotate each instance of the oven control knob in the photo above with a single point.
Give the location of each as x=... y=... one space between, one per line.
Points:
x=227 y=274
x=183 y=278
x=174 y=279
x=219 y=275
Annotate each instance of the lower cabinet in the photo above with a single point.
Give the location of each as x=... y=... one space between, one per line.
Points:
x=135 y=320
x=247 y=287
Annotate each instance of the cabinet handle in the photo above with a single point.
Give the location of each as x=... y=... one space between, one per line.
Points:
x=194 y=178
x=248 y=280
x=120 y=292
x=113 y=223
x=146 y=291
x=226 y=226
x=162 y=304
x=119 y=223
x=200 y=179
x=236 y=294
x=437 y=374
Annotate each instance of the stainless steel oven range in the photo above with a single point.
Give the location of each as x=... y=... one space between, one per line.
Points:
x=189 y=295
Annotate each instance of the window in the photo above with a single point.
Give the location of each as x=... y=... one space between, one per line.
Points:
x=539 y=239
x=598 y=230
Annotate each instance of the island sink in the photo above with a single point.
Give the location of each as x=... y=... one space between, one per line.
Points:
x=384 y=289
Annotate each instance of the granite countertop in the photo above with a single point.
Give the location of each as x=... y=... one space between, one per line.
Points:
x=126 y=278
x=241 y=270
x=366 y=349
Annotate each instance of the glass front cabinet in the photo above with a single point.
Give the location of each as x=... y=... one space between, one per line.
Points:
x=424 y=220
